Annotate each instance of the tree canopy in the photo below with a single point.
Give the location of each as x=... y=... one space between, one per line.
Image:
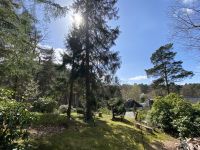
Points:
x=166 y=69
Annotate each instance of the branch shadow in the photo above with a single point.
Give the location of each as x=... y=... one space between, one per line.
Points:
x=103 y=136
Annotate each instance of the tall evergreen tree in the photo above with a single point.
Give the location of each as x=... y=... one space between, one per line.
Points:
x=72 y=57
x=98 y=38
x=47 y=74
x=166 y=69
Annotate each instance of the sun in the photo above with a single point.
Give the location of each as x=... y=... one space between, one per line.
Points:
x=77 y=19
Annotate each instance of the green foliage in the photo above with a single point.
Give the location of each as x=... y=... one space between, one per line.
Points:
x=44 y=105
x=166 y=70
x=117 y=107
x=105 y=110
x=176 y=116
x=97 y=60
x=63 y=109
x=142 y=114
x=49 y=119
x=19 y=42
x=14 y=122
x=32 y=91
x=6 y=94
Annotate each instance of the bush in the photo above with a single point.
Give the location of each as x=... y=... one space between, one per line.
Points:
x=63 y=109
x=117 y=107
x=6 y=94
x=105 y=110
x=176 y=116
x=142 y=114
x=44 y=105
x=14 y=122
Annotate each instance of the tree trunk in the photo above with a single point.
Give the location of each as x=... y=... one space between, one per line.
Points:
x=166 y=80
x=70 y=99
x=167 y=84
x=88 y=114
x=113 y=115
x=168 y=89
x=16 y=88
x=71 y=80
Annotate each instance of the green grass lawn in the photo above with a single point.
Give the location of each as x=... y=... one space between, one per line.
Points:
x=105 y=135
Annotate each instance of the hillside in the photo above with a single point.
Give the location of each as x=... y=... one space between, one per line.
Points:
x=105 y=135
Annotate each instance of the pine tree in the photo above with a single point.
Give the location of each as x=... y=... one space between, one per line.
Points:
x=47 y=74
x=98 y=38
x=166 y=69
x=72 y=57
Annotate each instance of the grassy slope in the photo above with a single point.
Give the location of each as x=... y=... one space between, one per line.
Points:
x=106 y=135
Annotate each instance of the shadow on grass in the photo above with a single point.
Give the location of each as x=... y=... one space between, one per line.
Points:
x=123 y=121
x=104 y=136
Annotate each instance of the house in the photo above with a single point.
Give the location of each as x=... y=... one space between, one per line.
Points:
x=131 y=104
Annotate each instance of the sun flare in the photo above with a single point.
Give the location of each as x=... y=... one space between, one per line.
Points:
x=77 y=19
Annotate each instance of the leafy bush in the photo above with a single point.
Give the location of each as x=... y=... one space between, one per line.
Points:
x=32 y=91
x=44 y=105
x=176 y=116
x=142 y=114
x=6 y=94
x=117 y=107
x=14 y=122
x=63 y=109
x=105 y=110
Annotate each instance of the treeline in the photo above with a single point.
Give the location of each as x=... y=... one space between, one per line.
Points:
x=140 y=91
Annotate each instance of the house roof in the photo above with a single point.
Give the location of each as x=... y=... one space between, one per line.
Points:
x=131 y=104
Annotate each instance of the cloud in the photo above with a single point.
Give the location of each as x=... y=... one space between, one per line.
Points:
x=57 y=52
x=138 y=78
x=188 y=1
x=187 y=11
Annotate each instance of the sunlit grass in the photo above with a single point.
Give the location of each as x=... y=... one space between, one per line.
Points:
x=105 y=135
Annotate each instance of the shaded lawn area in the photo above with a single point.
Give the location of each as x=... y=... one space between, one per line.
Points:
x=106 y=135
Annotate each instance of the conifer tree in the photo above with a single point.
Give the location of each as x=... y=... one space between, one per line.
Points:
x=166 y=69
x=98 y=38
x=73 y=58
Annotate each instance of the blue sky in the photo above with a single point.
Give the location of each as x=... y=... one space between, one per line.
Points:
x=145 y=25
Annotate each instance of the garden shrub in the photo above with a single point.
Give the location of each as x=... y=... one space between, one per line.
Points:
x=176 y=116
x=63 y=109
x=105 y=111
x=44 y=105
x=14 y=122
x=117 y=107
x=6 y=94
x=142 y=114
